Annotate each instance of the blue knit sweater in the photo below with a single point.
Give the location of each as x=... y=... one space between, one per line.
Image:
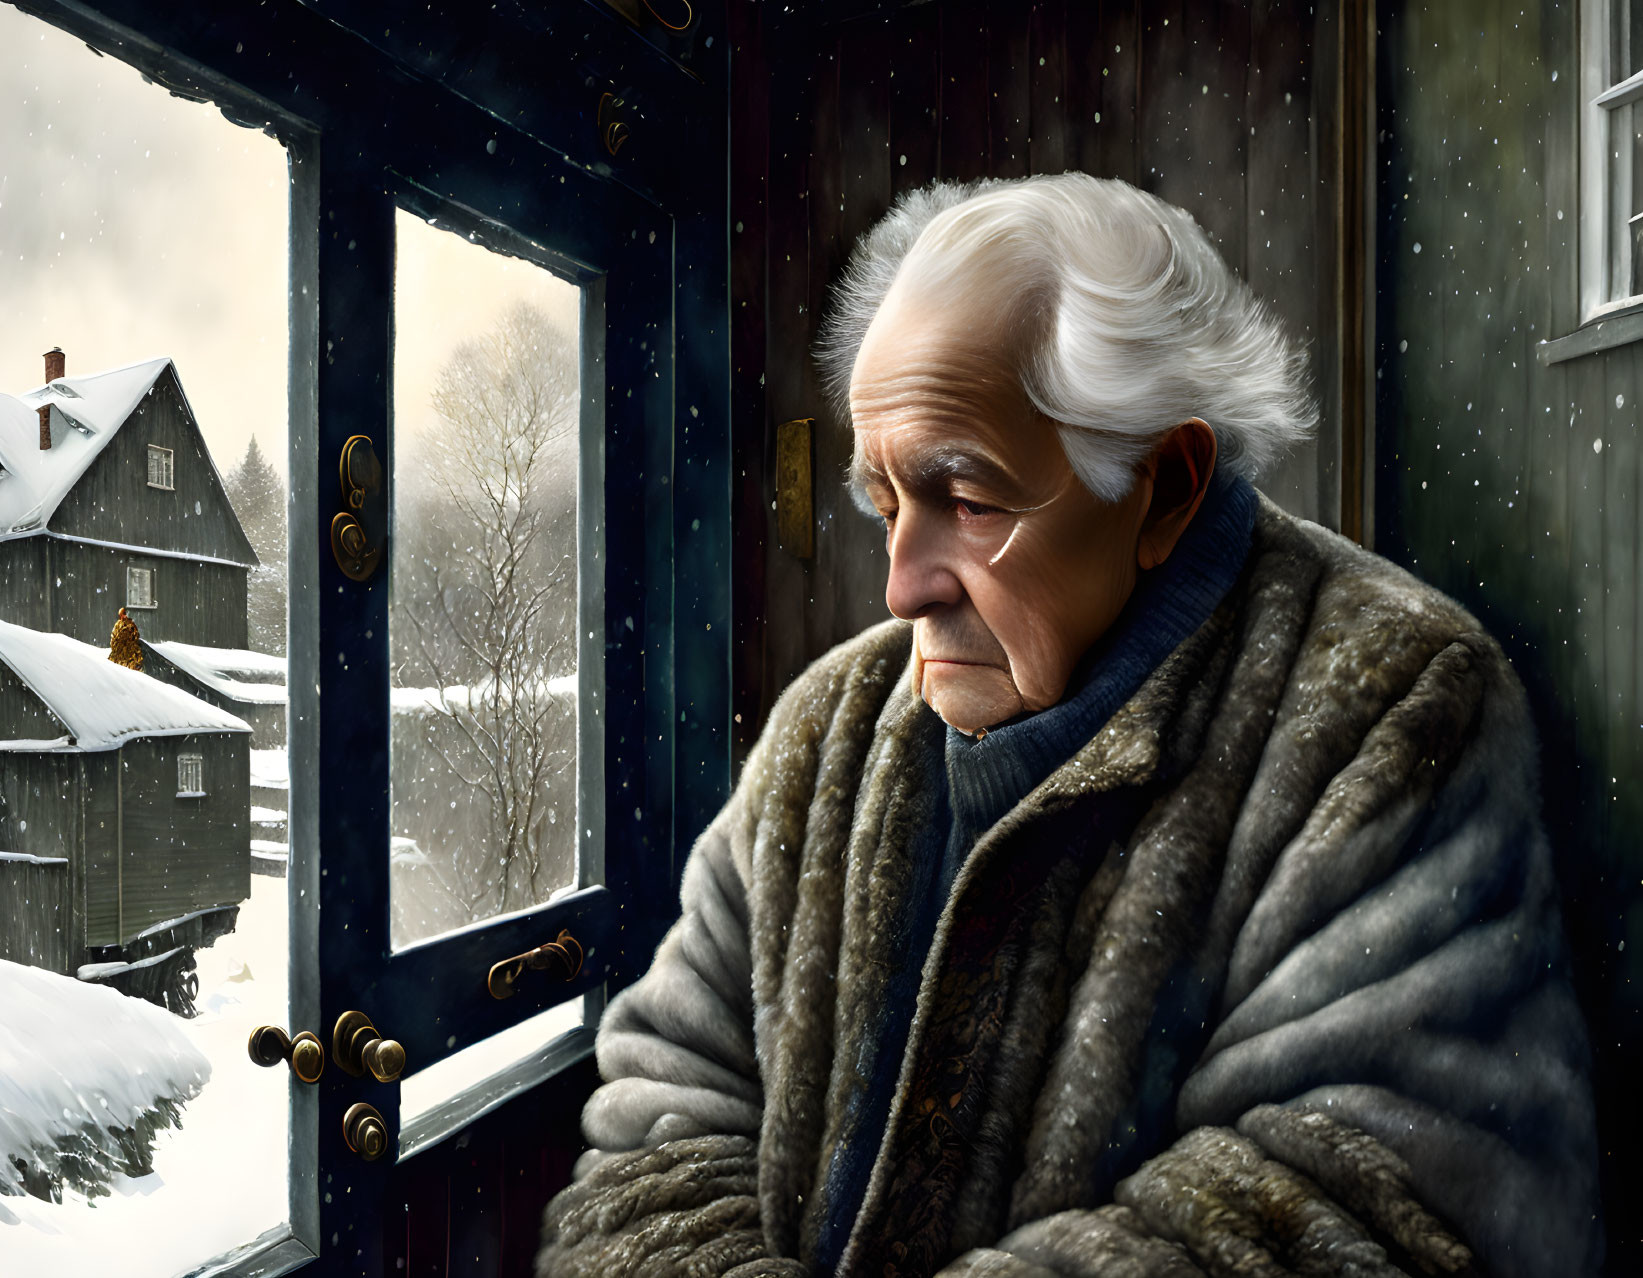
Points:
x=985 y=777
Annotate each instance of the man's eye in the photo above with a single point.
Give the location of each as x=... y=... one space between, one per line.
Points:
x=973 y=508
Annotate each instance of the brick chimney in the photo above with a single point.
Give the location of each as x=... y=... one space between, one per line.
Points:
x=54 y=369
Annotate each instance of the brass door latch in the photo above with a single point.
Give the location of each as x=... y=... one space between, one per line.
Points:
x=269 y=1045
x=360 y=530
x=562 y=956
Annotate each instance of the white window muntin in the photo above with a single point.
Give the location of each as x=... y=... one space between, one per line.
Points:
x=140 y=588
x=160 y=471
x=190 y=776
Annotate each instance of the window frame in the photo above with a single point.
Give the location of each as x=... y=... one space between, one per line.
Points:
x=145 y=572
x=191 y=762
x=167 y=456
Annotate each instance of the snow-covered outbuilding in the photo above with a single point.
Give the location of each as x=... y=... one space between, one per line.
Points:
x=248 y=684
x=109 y=498
x=124 y=817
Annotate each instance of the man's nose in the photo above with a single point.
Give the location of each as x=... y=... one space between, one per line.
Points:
x=922 y=579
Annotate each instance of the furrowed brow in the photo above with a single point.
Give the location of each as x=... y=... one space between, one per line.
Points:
x=935 y=472
x=930 y=476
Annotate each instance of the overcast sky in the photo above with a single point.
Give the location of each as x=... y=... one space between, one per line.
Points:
x=135 y=224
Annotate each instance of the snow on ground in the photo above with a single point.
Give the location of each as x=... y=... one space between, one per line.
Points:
x=270 y=769
x=77 y=1061
x=219 y=1180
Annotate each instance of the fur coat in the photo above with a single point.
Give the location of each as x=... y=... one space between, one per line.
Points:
x=1267 y=978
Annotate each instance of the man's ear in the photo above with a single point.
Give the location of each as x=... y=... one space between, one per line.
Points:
x=1182 y=465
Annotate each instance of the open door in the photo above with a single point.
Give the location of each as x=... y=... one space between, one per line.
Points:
x=506 y=534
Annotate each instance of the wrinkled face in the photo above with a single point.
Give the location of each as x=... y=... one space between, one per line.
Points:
x=1005 y=563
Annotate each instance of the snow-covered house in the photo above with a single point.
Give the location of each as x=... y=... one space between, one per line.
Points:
x=124 y=817
x=109 y=497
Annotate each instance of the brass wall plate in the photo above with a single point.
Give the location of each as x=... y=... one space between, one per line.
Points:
x=795 y=487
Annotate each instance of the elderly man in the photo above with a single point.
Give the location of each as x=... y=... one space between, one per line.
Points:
x=1163 y=894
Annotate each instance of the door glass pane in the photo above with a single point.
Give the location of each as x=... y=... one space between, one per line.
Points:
x=484 y=584
x=143 y=912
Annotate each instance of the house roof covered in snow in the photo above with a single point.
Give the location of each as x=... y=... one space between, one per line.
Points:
x=102 y=705
x=92 y=409
x=236 y=673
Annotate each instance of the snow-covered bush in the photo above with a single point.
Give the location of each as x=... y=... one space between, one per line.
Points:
x=87 y=1078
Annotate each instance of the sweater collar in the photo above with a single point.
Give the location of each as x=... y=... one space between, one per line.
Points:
x=989 y=775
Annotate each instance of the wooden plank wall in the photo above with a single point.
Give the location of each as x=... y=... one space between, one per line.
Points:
x=1512 y=485
x=41 y=915
x=25 y=587
x=35 y=924
x=113 y=502
x=180 y=855
x=203 y=603
x=474 y=1206
x=1227 y=110
x=23 y=717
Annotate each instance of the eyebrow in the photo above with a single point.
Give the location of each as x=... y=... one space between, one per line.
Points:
x=933 y=472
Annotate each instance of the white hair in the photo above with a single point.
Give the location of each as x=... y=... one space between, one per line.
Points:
x=1131 y=322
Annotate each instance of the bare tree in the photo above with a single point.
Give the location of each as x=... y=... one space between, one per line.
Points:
x=485 y=606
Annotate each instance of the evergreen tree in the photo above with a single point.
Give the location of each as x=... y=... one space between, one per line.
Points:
x=258 y=495
x=123 y=647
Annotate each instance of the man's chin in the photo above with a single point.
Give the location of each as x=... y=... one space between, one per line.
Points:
x=969 y=698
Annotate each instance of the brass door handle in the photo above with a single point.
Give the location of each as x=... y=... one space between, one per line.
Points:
x=358 y=1048
x=269 y=1045
x=365 y=1132
x=563 y=956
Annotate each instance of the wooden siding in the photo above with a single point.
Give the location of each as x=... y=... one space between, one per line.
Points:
x=39 y=803
x=35 y=923
x=1515 y=486
x=178 y=855
x=203 y=603
x=23 y=717
x=1221 y=109
x=26 y=582
x=41 y=914
x=113 y=500
x=100 y=844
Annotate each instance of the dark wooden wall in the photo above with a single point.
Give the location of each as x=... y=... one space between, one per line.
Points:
x=1228 y=110
x=24 y=598
x=1514 y=485
x=180 y=855
x=41 y=906
x=113 y=502
x=474 y=1206
x=195 y=601
x=35 y=924
x=23 y=717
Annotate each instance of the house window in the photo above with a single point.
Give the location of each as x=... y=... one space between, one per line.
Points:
x=159 y=467
x=140 y=588
x=1611 y=177
x=190 y=776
